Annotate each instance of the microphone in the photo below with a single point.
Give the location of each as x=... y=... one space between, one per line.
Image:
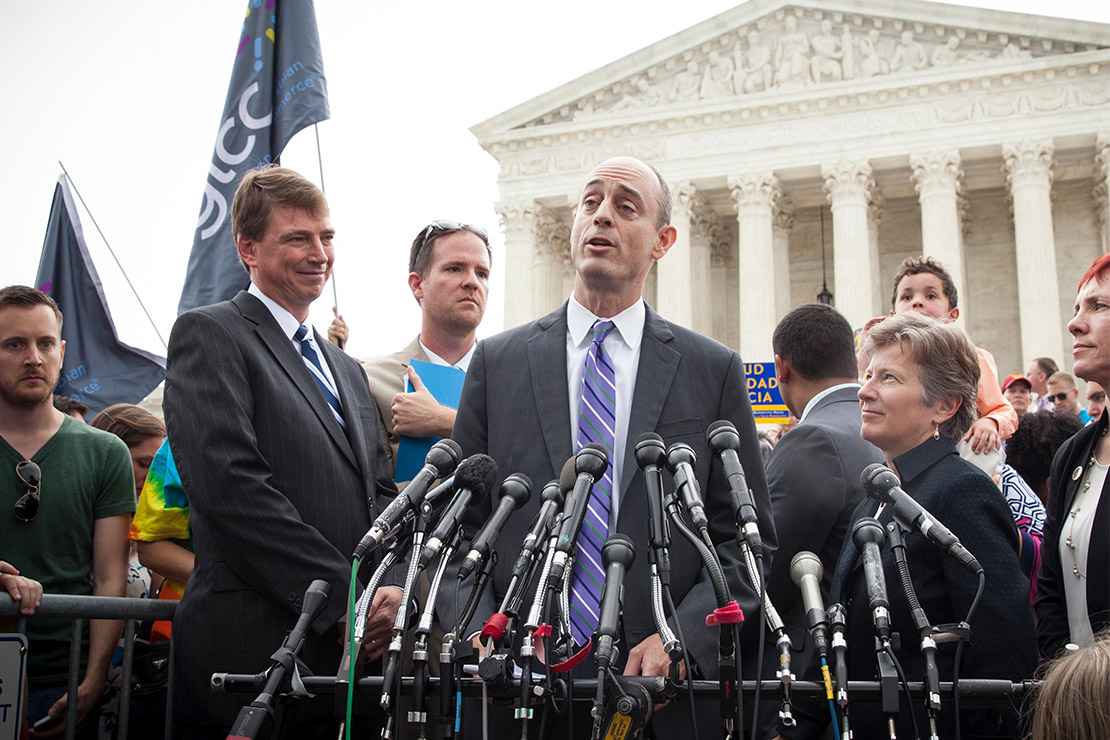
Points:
x=617 y=555
x=681 y=460
x=257 y=715
x=806 y=572
x=515 y=492
x=652 y=457
x=724 y=441
x=473 y=479
x=869 y=535
x=438 y=463
x=552 y=498
x=883 y=485
x=590 y=463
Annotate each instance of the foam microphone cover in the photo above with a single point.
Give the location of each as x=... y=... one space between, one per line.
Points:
x=477 y=474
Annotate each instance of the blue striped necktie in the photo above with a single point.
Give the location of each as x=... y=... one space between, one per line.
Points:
x=312 y=361
x=597 y=423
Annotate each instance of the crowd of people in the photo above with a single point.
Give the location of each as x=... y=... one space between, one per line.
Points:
x=278 y=450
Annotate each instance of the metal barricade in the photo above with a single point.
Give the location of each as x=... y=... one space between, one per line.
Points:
x=81 y=608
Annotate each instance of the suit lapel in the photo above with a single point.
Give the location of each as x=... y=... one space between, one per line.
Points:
x=345 y=384
x=547 y=363
x=658 y=365
x=293 y=365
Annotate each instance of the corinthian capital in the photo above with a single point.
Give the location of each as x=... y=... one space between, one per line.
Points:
x=552 y=234
x=937 y=171
x=784 y=214
x=1027 y=161
x=847 y=180
x=687 y=199
x=516 y=216
x=755 y=189
x=1102 y=154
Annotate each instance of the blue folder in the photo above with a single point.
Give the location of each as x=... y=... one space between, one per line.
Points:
x=445 y=383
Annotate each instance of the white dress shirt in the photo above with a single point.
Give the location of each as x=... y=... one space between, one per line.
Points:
x=289 y=325
x=1076 y=531
x=622 y=347
x=463 y=363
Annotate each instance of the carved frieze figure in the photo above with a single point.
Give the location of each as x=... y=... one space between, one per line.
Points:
x=640 y=93
x=687 y=84
x=826 y=55
x=871 y=62
x=754 y=71
x=946 y=55
x=1013 y=51
x=909 y=55
x=850 y=62
x=792 y=56
x=716 y=82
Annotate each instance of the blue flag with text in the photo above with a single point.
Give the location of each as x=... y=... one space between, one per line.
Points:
x=99 y=369
x=277 y=88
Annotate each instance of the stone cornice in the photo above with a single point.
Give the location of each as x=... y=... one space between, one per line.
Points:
x=960 y=94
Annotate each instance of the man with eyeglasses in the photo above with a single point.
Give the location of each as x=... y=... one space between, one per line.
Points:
x=66 y=499
x=1061 y=392
x=449 y=266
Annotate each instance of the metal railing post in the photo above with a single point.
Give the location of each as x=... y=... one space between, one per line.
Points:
x=125 y=680
x=74 y=669
x=169 y=698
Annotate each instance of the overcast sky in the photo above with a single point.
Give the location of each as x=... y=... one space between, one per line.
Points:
x=129 y=94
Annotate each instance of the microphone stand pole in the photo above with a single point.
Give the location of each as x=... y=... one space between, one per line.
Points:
x=785 y=674
x=418 y=715
x=391 y=673
x=838 y=623
x=895 y=533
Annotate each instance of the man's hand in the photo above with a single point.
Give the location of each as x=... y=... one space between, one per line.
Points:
x=419 y=414
x=26 y=592
x=337 y=330
x=983 y=437
x=649 y=659
x=379 y=621
x=88 y=694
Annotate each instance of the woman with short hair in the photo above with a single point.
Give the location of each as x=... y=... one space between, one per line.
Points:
x=916 y=403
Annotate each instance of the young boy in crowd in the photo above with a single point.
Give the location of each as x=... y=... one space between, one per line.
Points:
x=923 y=286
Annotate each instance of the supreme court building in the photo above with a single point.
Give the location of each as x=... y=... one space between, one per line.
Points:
x=820 y=142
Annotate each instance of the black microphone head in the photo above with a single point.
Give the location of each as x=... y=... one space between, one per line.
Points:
x=567 y=476
x=618 y=549
x=722 y=435
x=592 y=459
x=679 y=453
x=518 y=487
x=476 y=473
x=805 y=563
x=650 y=450
x=316 y=596
x=552 y=492
x=868 y=530
x=444 y=456
x=877 y=479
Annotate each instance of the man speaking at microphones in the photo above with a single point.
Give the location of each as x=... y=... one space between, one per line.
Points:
x=603 y=369
x=282 y=456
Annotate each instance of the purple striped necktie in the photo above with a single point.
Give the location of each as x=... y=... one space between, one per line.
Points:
x=597 y=423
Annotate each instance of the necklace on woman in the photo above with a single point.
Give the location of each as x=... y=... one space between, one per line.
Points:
x=1076 y=510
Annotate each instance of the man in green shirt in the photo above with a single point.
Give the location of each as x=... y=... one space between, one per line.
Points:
x=66 y=498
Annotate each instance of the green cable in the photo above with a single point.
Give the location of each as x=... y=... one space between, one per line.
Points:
x=351 y=647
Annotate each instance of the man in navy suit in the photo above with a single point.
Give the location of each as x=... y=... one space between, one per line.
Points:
x=282 y=456
x=606 y=368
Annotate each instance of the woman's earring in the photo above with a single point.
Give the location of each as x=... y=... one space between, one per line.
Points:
x=936 y=432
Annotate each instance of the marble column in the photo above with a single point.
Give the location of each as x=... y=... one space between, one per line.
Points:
x=517 y=222
x=880 y=298
x=1102 y=188
x=675 y=272
x=784 y=223
x=849 y=186
x=757 y=197
x=704 y=229
x=551 y=263
x=937 y=179
x=1028 y=167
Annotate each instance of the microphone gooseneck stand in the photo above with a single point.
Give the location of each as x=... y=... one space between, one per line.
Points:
x=418 y=715
x=838 y=620
x=727 y=616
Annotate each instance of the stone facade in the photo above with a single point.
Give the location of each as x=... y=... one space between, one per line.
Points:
x=902 y=129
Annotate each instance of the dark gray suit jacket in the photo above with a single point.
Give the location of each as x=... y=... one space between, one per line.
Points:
x=813 y=479
x=279 y=492
x=515 y=407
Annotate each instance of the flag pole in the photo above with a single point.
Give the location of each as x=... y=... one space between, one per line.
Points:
x=320 y=165
x=113 y=253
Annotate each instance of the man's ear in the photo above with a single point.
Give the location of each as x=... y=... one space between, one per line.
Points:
x=783 y=370
x=246 y=249
x=664 y=241
x=416 y=285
